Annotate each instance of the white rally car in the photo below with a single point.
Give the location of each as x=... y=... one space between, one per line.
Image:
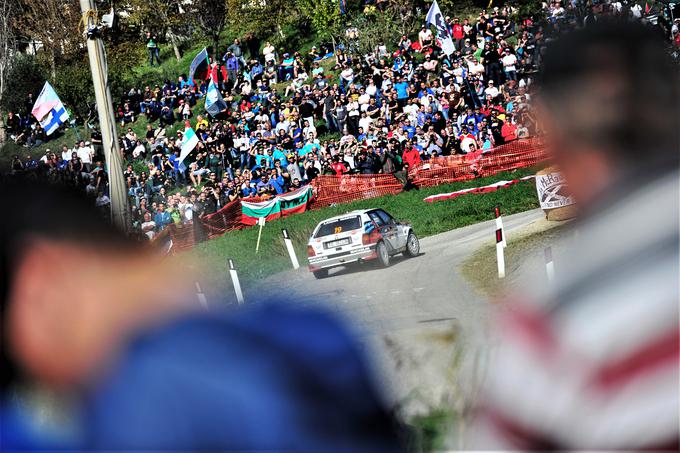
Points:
x=359 y=236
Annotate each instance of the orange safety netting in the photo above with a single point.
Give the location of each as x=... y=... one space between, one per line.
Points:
x=226 y=219
x=331 y=189
x=185 y=236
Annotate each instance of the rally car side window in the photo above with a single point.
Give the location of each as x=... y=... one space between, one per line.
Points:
x=388 y=219
x=376 y=218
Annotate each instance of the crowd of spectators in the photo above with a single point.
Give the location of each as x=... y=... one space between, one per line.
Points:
x=342 y=112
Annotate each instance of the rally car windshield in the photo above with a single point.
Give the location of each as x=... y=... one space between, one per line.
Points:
x=338 y=226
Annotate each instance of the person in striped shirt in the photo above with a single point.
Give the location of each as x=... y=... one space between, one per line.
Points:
x=591 y=362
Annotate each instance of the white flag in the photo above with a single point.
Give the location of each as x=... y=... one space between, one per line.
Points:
x=435 y=18
x=189 y=142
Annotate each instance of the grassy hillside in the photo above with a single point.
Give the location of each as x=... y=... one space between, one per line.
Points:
x=426 y=218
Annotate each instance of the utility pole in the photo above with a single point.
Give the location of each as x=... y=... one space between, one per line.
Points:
x=95 y=49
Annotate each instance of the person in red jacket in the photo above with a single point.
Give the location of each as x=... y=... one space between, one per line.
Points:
x=410 y=155
x=457 y=32
x=217 y=72
x=509 y=129
x=339 y=167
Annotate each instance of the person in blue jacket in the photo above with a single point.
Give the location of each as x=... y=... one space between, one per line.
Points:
x=152 y=369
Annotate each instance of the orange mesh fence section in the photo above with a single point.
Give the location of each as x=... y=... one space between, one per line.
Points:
x=331 y=189
x=185 y=236
x=518 y=154
x=443 y=170
x=226 y=219
x=182 y=236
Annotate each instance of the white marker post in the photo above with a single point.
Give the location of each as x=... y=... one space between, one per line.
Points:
x=200 y=296
x=291 y=250
x=549 y=264
x=260 y=221
x=234 y=280
x=500 y=257
x=499 y=224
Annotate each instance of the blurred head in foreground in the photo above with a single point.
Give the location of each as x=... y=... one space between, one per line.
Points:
x=610 y=104
x=83 y=308
x=72 y=286
x=591 y=361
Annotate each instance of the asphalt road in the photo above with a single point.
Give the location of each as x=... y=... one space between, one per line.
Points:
x=410 y=292
x=401 y=313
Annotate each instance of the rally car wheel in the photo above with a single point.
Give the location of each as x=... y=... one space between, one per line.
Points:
x=383 y=254
x=321 y=273
x=412 y=245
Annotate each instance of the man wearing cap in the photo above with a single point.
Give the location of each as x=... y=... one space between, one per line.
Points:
x=509 y=62
x=491 y=90
x=286 y=67
x=85 y=154
x=425 y=38
x=457 y=32
x=491 y=61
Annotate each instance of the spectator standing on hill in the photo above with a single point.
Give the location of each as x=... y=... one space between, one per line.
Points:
x=236 y=49
x=152 y=48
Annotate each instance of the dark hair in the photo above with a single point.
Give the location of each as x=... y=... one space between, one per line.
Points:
x=41 y=210
x=635 y=106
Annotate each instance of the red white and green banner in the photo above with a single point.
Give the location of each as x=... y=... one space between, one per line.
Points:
x=483 y=189
x=282 y=205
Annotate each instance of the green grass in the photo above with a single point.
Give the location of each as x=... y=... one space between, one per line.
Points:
x=481 y=268
x=66 y=137
x=426 y=218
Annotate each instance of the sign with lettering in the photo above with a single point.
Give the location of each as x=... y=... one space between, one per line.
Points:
x=553 y=191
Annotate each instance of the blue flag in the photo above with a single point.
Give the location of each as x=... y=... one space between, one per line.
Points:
x=343 y=6
x=198 y=60
x=214 y=103
x=49 y=110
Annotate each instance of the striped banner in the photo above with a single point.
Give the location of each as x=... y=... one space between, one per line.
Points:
x=483 y=189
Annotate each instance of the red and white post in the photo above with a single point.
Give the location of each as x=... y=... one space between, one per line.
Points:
x=201 y=296
x=500 y=253
x=260 y=221
x=549 y=264
x=236 y=282
x=499 y=224
x=291 y=249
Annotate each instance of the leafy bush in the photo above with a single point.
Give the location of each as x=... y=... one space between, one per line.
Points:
x=73 y=83
x=26 y=76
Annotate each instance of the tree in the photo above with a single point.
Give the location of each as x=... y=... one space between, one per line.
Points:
x=267 y=18
x=73 y=84
x=210 y=17
x=25 y=76
x=324 y=16
x=161 y=15
x=7 y=42
x=375 y=28
x=52 y=22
